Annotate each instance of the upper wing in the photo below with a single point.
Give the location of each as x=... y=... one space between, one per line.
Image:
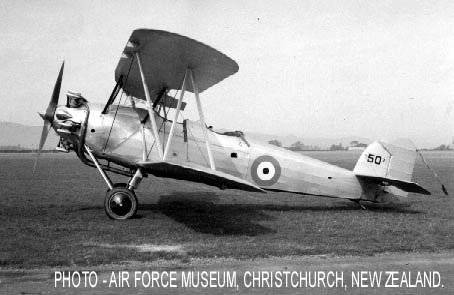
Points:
x=165 y=57
x=197 y=174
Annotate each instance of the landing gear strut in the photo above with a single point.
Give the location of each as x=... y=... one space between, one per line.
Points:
x=121 y=201
x=359 y=204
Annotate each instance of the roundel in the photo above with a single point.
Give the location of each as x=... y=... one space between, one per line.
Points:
x=265 y=170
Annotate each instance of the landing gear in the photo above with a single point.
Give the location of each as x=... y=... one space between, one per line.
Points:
x=120 y=202
x=359 y=204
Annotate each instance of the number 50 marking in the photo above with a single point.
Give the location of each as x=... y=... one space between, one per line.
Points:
x=371 y=158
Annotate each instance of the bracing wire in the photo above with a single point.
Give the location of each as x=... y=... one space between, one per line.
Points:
x=118 y=106
x=195 y=141
x=445 y=191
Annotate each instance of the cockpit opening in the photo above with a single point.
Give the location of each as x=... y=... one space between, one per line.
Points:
x=74 y=99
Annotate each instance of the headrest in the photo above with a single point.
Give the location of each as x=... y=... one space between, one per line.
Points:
x=74 y=94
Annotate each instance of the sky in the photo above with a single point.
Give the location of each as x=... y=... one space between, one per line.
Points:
x=331 y=69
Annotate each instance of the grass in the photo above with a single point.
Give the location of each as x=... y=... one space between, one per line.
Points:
x=56 y=218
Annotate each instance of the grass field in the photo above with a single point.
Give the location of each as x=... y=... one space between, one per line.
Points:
x=56 y=218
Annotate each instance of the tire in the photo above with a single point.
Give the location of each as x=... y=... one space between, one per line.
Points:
x=120 y=203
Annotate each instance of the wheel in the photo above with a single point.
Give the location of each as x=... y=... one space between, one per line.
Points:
x=120 y=203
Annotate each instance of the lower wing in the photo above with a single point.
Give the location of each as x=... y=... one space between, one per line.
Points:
x=197 y=174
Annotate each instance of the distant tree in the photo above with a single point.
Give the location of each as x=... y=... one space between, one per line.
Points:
x=275 y=142
x=297 y=146
x=442 y=147
x=337 y=147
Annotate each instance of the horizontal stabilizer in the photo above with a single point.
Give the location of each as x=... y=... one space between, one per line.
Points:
x=406 y=186
x=197 y=174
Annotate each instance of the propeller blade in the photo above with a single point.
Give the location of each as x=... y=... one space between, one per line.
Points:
x=55 y=95
x=46 y=128
x=48 y=117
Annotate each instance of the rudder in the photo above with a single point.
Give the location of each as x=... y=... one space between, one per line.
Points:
x=394 y=160
x=391 y=164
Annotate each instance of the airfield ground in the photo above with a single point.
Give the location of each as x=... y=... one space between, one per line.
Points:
x=55 y=219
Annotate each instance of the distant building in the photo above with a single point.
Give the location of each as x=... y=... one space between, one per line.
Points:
x=299 y=147
x=275 y=142
x=357 y=146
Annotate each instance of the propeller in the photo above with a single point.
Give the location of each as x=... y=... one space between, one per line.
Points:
x=48 y=117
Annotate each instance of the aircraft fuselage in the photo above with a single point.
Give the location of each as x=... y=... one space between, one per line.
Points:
x=117 y=137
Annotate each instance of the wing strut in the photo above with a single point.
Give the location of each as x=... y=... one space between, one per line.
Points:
x=177 y=113
x=144 y=143
x=202 y=119
x=142 y=131
x=150 y=108
x=190 y=73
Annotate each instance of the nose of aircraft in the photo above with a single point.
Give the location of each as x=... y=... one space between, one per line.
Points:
x=48 y=116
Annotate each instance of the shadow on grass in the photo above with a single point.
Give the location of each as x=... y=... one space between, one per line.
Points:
x=200 y=212
x=206 y=200
x=203 y=213
x=391 y=208
x=86 y=208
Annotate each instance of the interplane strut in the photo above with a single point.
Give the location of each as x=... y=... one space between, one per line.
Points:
x=150 y=108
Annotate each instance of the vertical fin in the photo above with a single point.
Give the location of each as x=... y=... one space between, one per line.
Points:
x=392 y=160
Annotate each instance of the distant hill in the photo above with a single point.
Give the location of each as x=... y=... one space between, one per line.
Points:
x=19 y=135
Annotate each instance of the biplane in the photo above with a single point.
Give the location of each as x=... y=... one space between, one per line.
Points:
x=150 y=136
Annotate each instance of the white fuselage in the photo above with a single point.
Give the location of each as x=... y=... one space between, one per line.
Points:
x=117 y=136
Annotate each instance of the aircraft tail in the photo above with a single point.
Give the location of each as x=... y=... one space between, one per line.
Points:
x=390 y=164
